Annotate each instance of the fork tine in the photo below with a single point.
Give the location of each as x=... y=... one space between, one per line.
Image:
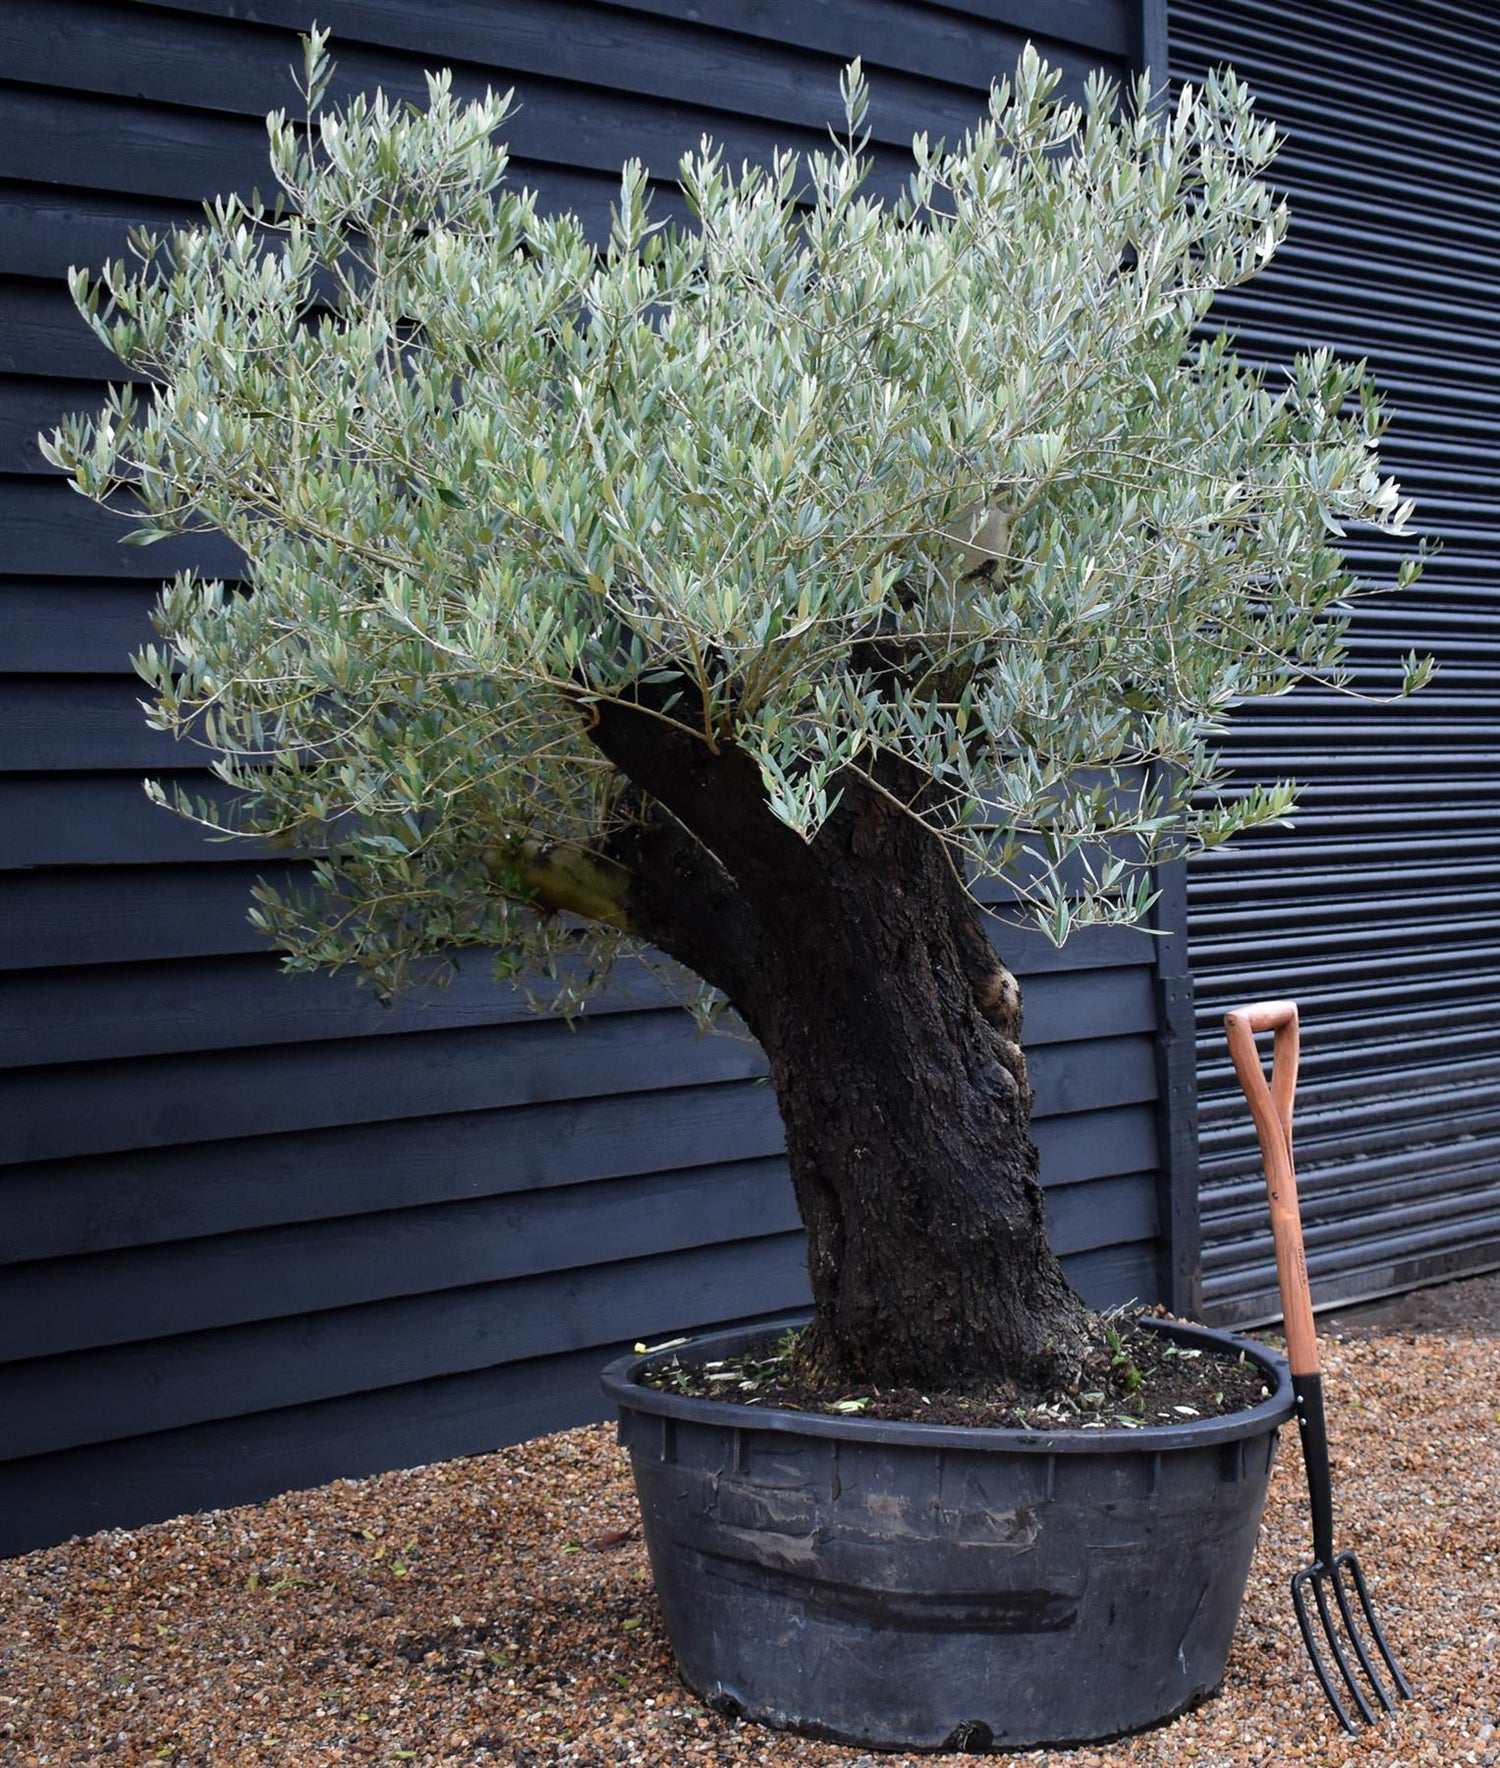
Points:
x=1309 y=1639
x=1346 y=1669
x=1349 y=1560
x=1355 y=1634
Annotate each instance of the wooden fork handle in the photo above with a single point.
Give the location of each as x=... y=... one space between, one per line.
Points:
x=1271 y=1108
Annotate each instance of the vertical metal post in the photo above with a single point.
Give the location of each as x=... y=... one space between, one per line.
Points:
x=1180 y=1260
x=1150 y=46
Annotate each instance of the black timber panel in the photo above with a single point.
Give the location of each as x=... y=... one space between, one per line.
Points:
x=257 y=1232
x=1378 y=914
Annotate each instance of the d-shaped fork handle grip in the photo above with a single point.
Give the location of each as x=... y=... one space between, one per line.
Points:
x=1271 y=1109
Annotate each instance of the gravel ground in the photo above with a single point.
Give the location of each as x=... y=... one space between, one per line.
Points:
x=498 y=1610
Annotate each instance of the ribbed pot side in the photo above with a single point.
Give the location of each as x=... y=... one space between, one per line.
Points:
x=910 y=1586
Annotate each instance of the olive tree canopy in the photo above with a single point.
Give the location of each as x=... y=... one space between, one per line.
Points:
x=953 y=480
x=746 y=591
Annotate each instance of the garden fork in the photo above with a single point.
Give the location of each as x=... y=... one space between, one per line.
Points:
x=1271 y=1107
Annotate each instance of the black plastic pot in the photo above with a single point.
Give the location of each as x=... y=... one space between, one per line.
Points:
x=928 y=1587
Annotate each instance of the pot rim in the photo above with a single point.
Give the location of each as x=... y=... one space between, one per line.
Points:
x=621 y=1383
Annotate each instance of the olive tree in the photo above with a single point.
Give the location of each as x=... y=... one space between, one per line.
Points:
x=748 y=592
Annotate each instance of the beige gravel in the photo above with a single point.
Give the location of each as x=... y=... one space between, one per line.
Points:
x=498 y=1611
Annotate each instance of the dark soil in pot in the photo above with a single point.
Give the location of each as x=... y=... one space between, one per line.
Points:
x=906 y=1585
x=1137 y=1376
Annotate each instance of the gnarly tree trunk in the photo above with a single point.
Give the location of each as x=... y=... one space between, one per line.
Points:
x=892 y=1033
x=862 y=965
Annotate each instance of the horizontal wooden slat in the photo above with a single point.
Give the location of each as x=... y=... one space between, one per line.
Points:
x=45 y=336
x=93 y=1014
x=1098 y=1144
x=52 y=918
x=1094 y=1074
x=153 y=1102
x=92 y=627
x=33 y=405
x=1107 y=1214
x=50 y=531
x=160 y=153
x=236 y=1002
x=897 y=31
x=1116 y=1275
x=955 y=45
x=64 y=139
x=91 y=820
x=45 y=232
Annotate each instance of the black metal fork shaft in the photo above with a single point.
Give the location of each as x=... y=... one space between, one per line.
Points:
x=1312 y=1427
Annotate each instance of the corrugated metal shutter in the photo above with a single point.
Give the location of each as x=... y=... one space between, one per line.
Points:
x=1381 y=913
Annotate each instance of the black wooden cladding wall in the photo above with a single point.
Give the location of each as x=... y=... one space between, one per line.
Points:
x=1380 y=913
x=259 y=1232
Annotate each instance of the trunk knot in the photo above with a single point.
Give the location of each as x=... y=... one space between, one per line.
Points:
x=999 y=1000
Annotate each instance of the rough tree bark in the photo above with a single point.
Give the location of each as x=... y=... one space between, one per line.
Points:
x=893 y=1034
x=862 y=965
